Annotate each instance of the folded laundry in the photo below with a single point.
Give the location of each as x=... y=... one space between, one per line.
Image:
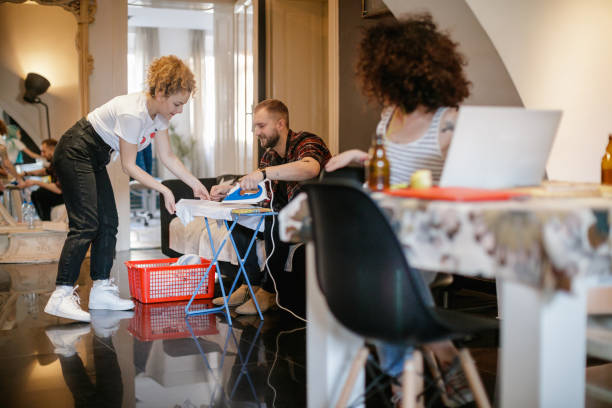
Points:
x=188 y=259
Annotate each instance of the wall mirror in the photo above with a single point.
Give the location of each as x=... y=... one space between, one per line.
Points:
x=51 y=41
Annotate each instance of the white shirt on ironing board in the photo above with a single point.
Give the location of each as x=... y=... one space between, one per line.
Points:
x=126 y=117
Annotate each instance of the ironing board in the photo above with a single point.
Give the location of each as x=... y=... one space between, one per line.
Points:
x=244 y=214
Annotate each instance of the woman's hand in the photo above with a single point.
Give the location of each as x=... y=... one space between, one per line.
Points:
x=345 y=158
x=200 y=191
x=169 y=201
x=218 y=192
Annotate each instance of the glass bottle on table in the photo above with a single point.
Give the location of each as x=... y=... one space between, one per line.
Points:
x=377 y=166
x=606 y=164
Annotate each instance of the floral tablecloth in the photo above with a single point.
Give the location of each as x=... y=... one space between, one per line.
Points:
x=542 y=242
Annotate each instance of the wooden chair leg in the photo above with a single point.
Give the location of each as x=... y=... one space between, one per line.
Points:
x=468 y=366
x=420 y=383
x=358 y=363
x=412 y=381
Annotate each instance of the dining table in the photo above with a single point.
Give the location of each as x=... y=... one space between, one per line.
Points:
x=546 y=247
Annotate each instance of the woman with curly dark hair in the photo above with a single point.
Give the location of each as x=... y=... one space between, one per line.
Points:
x=125 y=125
x=415 y=72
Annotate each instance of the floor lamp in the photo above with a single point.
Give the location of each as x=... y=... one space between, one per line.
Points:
x=36 y=85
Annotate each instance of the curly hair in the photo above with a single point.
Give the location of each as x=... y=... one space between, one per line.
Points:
x=169 y=75
x=410 y=63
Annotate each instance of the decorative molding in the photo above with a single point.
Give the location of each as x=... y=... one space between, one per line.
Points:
x=333 y=49
x=84 y=11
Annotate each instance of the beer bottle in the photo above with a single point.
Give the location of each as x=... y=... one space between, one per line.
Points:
x=606 y=164
x=377 y=166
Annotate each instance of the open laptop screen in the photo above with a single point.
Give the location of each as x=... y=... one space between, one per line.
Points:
x=499 y=147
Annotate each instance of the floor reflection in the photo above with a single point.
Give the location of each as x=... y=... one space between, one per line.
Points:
x=107 y=389
x=151 y=357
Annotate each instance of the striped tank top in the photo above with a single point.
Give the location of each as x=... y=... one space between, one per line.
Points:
x=423 y=153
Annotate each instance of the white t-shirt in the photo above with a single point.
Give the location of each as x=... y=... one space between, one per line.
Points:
x=126 y=117
x=13 y=147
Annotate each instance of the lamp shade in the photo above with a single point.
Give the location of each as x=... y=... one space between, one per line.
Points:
x=35 y=85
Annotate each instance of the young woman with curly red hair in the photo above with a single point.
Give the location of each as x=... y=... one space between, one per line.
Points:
x=415 y=72
x=125 y=125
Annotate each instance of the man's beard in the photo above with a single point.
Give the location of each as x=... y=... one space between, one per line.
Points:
x=270 y=141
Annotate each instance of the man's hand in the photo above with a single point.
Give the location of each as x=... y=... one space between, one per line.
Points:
x=30 y=183
x=250 y=181
x=218 y=192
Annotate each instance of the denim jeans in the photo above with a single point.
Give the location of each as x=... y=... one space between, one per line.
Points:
x=392 y=357
x=80 y=161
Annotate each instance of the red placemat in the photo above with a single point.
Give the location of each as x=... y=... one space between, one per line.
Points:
x=455 y=194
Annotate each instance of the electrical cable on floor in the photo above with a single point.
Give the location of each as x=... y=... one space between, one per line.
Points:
x=275 y=357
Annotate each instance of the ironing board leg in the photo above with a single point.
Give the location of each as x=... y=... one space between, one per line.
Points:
x=214 y=262
x=241 y=262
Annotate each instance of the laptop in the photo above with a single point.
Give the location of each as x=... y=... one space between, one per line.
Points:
x=499 y=147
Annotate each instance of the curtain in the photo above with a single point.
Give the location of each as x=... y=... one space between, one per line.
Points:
x=228 y=148
x=146 y=49
x=202 y=154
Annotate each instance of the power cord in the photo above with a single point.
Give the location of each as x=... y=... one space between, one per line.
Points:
x=272 y=252
x=275 y=358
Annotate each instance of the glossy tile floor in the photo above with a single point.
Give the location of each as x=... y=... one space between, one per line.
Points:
x=153 y=357
x=149 y=358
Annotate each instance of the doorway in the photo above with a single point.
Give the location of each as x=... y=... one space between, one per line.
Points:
x=213 y=134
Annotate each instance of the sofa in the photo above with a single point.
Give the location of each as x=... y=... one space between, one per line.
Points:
x=177 y=239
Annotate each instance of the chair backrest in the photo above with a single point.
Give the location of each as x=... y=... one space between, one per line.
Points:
x=356 y=174
x=362 y=271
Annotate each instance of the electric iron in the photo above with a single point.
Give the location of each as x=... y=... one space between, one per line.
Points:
x=238 y=196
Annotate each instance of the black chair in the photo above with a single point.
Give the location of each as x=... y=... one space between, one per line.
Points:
x=356 y=174
x=370 y=287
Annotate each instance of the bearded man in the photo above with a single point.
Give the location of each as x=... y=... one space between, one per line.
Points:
x=290 y=157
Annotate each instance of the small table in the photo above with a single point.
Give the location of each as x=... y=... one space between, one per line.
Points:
x=246 y=215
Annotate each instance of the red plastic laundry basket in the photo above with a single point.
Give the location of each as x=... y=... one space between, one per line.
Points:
x=167 y=321
x=157 y=280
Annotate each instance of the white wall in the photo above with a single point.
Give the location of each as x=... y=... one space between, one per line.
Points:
x=39 y=39
x=491 y=83
x=559 y=54
x=108 y=46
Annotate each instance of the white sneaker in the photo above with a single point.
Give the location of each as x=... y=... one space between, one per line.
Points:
x=106 y=322
x=65 y=302
x=105 y=295
x=65 y=337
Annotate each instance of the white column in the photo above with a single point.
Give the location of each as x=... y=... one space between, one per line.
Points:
x=330 y=347
x=543 y=346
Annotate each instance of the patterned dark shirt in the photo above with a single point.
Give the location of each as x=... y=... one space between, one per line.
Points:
x=299 y=146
